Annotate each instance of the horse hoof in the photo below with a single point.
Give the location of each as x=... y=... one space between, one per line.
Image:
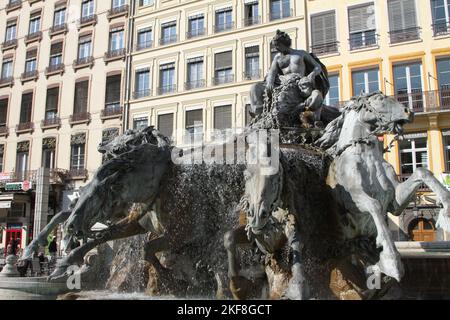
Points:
x=240 y=287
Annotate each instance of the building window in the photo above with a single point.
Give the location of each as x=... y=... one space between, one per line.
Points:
x=413 y=153
x=59 y=17
x=144 y=39
x=365 y=81
x=252 y=63
x=168 y=32
x=443 y=67
x=143 y=3
x=223 y=68
x=21 y=164
x=165 y=124
x=11 y=31
x=446 y=136
x=51 y=106
x=224 y=19
x=31 y=61
x=408 y=85
x=81 y=97
x=142 y=83
x=402 y=20
x=116 y=39
x=77 y=155
x=48 y=153
x=222 y=119
x=280 y=9
x=441 y=16
x=167 y=78
x=140 y=123
x=194 y=125
x=118 y=3
x=251 y=11
x=323 y=32
x=196 y=26
x=35 y=23
x=26 y=108
x=333 y=96
x=195 y=73
x=7 y=68
x=56 y=51
x=87 y=8
x=2 y=152
x=112 y=95
x=3 y=114
x=84 y=47
x=361 y=20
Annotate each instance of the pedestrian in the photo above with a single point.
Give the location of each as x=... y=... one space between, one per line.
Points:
x=53 y=249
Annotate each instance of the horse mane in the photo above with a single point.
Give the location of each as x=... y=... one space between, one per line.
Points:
x=334 y=128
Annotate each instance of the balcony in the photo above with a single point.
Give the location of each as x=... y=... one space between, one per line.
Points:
x=87 y=21
x=78 y=174
x=284 y=14
x=6 y=82
x=84 y=62
x=172 y=88
x=51 y=123
x=363 y=40
x=58 y=29
x=441 y=29
x=224 y=27
x=115 y=54
x=29 y=76
x=31 y=37
x=55 y=69
x=426 y=101
x=4 y=131
x=195 y=84
x=13 y=5
x=195 y=33
x=410 y=34
x=118 y=12
x=168 y=40
x=9 y=44
x=252 y=21
x=80 y=118
x=325 y=48
x=223 y=79
x=142 y=94
x=111 y=111
x=422 y=188
x=20 y=176
x=58 y=176
x=24 y=127
x=144 y=45
x=252 y=75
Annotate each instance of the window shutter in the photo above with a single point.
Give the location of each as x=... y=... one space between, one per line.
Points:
x=402 y=14
x=52 y=99
x=25 y=110
x=81 y=97
x=165 y=124
x=222 y=117
x=113 y=84
x=223 y=60
x=3 y=111
x=323 y=28
x=252 y=51
x=359 y=18
x=194 y=116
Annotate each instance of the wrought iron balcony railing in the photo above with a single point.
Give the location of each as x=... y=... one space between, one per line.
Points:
x=83 y=62
x=7 y=81
x=195 y=33
x=24 y=127
x=325 y=48
x=54 y=69
x=426 y=101
x=57 y=29
x=224 y=27
x=251 y=21
x=118 y=11
x=13 y=5
x=51 y=123
x=167 y=89
x=111 y=110
x=80 y=117
x=114 y=54
x=9 y=44
x=29 y=75
x=410 y=34
x=78 y=173
x=363 y=41
x=144 y=45
x=142 y=94
x=441 y=28
x=223 y=79
x=252 y=74
x=195 y=84
x=4 y=130
x=168 y=40
x=281 y=15
x=35 y=36
x=87 y=20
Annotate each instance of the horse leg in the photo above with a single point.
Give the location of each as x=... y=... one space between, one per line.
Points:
x=390 y=263
x=153 y=246
x=404 y=192
x=239 y=286
x=123 y=229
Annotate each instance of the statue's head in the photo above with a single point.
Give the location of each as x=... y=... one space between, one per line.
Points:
x=382 y=113
x=282 y=41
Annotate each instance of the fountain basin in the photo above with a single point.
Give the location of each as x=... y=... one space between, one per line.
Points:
x=37 y=288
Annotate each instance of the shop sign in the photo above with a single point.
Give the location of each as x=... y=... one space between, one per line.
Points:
x=5 y=205
x=5 y=176
x=19 y=186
